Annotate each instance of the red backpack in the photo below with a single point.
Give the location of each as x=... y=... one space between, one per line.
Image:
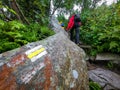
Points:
x=70 y=23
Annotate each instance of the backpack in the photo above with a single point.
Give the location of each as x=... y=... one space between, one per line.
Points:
x=77 y=18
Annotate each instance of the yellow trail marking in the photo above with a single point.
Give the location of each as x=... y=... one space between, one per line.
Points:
x=31 y=55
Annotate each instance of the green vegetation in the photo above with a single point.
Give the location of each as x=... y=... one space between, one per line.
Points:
x=110 y=65
x=25 y=22
x=101 y=28
x=14 y=34
x=94 y=86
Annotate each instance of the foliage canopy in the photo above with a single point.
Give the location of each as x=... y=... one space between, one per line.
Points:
x=101 y=28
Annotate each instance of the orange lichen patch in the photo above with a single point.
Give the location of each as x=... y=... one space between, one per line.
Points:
x=19 y=59
x=39 y=85
x=7 y=79
x=47 y=73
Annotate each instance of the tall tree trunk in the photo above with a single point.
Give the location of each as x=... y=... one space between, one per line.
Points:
x=14 y=7
x=20 y=14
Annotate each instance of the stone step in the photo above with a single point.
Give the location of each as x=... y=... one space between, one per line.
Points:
x=107 y=56
x=85 y=46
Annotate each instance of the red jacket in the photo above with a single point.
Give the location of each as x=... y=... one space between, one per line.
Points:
x=71 y=23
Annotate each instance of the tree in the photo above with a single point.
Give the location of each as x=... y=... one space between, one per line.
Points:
x=40 y=10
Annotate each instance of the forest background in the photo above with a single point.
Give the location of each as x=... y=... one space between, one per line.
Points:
x=22 y=22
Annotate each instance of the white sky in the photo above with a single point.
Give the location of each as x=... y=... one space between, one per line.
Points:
x=108 y=1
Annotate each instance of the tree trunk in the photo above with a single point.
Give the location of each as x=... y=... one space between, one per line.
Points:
x=20 y=14
x=14 y=7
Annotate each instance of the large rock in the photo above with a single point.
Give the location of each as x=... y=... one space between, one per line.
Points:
x=55 y=63
x=54 y=23
x=107 y=79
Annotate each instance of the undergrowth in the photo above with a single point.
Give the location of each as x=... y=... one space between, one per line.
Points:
x=14 y=34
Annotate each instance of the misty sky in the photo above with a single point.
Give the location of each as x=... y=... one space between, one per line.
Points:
x=108 y=1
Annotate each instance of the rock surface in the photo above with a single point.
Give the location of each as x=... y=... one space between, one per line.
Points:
x=55 y=63
x=107 y=56
x=107 y=79
x=54 y=23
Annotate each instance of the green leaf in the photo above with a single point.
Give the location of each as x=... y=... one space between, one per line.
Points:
x=2 y=23
x=11 y=10
x=113 y=44
x=94 y=86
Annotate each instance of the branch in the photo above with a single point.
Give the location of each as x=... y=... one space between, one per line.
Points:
x=57 y=6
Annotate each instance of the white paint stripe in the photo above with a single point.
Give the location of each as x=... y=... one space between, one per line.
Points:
x=38 y=56
x=33 y=49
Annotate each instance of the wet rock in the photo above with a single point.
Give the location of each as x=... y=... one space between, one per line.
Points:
x=54 y=63
x=107 y=79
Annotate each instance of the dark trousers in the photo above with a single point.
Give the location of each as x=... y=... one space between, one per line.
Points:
x=74 y=31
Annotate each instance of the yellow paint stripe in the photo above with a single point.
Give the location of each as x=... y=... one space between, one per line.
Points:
x=31 y=55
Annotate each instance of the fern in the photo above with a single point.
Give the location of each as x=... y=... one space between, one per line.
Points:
x=113 y=44
x=14 y=34
x=8 y=46
x=21 y=42
x=45 y=32
x=14 y=25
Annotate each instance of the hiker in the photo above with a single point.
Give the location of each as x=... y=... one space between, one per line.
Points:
x=62 y=24
x=73 y=27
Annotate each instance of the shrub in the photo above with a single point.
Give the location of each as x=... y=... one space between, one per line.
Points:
x=102 y=30
x=14 y=34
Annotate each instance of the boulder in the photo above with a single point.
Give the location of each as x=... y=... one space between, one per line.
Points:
x=107 y=79
x=54 y=63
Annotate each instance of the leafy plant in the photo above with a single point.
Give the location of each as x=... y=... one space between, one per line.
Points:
x=14 y=34
x=5 y=46
x=110 y=65
x=94 y=86
x=45 y=32
x=102 y=30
